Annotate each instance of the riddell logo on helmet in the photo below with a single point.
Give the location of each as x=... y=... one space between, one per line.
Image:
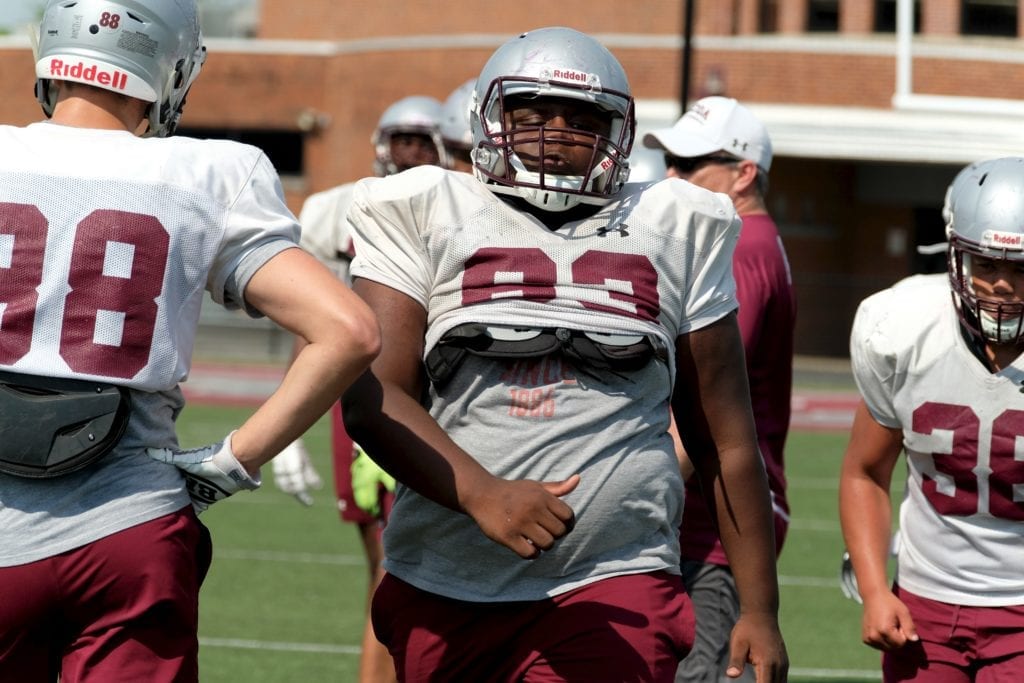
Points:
x=89 y=74
x=1002 y=240
x=570 y=75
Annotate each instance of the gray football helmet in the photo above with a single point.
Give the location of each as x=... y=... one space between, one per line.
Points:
x=455 y=128
x=151 y=50
x=552 y=62
x=414 y=114
x=646 y=165
x=985 y=217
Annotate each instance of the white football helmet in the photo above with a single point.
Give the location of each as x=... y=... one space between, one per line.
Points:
x=985 y=217
x=415 y=114
x=552 y=62
x=455 y=129
x=151 y=50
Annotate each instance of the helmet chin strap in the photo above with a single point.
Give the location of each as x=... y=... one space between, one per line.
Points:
x=999 y=329
x=559 y=192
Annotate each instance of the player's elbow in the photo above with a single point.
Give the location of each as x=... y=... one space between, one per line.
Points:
x=362 y=330
x=362 y=408
x=354 y=415
x=354 y=334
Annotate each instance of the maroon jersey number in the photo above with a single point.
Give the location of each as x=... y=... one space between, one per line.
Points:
x=602 y=277
x=961 y=465
x=22 y=242
x=116 y=274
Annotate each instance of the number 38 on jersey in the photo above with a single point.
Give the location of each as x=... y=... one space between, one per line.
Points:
x=960 y=479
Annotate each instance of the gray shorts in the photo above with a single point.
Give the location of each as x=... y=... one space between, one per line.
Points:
x=716 y=607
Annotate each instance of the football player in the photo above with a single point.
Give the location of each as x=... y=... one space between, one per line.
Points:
x=940 y=379
x=407 y=135
x=719 y=144
x=110 y=231
x=538 y=320
x=456 y=133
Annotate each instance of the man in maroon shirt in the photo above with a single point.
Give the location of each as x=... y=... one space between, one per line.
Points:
x=720 y=145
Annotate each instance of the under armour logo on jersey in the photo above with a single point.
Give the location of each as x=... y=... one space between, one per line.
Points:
x=621 y=228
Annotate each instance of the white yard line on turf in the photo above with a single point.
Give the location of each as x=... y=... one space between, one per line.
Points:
x=331 y=649
x=354 y=560
x=241 y=644
x=816 y=525
x=812 y=581
x=278 y=556
x=844 y=674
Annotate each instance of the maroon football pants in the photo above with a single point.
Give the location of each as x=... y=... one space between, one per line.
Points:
x=124 y=608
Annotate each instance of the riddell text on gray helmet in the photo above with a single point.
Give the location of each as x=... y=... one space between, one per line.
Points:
x=112 y=79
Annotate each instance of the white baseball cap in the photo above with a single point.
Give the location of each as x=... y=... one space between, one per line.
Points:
x=713 y=124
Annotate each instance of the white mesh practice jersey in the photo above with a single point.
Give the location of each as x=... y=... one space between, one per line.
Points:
x=647 y=263
x=107 y=245
x=105 y=259
x=962 y=517
x=325 y=232
x=655 y=261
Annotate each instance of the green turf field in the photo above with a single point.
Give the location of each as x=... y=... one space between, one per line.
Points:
x=284 y=599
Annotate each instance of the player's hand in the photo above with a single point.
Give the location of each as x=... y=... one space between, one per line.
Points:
x=886 y=623
x=368 y=478
x=757 y=641
x=525 y=516
x=212 y=472
x=294 y=472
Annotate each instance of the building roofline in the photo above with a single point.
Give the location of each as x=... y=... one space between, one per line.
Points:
x=950 y=48
x=919 y=135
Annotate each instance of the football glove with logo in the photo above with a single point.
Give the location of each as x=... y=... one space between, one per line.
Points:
x=212 y=473
x=294 y=472
x=367 y=481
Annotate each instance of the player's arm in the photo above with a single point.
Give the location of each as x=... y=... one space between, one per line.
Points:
x=685 y=465
x=293 y=468
x=341 y=337
x=865 y=511
x=383 y=414
x=711 y=403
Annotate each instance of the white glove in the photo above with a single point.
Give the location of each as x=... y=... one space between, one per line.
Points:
x=212 y=472
x=294 y=473
x=848 y=580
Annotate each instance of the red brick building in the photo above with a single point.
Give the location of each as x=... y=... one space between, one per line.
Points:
x=868 y=129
